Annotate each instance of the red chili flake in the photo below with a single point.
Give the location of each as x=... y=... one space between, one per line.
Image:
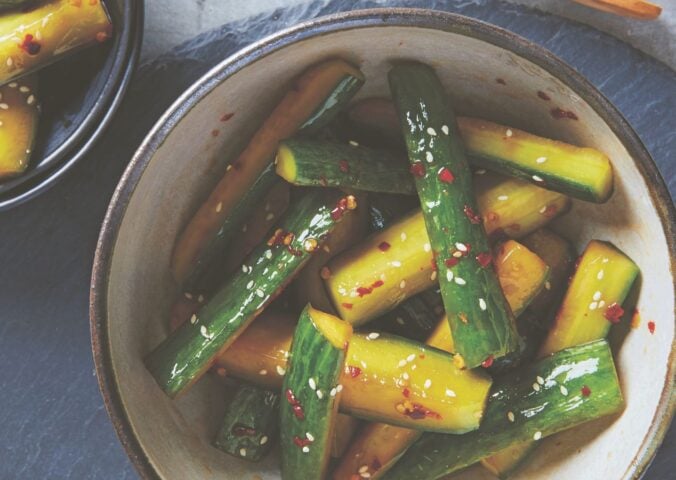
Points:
x=406 y=392
x=543 y=96
x=501 y=81
x=347 y=305
x=492 y=217
x=488 y=362
x=30 y=45
x=243 y=431
x=377 y=283
x=344 y=166
x=417 y=169
x=323 y=181
x=586 y=391
x=550 y=211
x=651 y=327
x=463 y=317
x=421 y=356
x=277 y=238
x=354 y=371
x=434 y=263
x=376 y=465
x=419 y=412
x=290 y=397
x=445 y=175
x=341 y=207
x=298 y=412
x=215 y=133
x=361 y=291
x=451 y=262
x=613 y=313
x=484 y=259
x=227 y=117
x=559 y=114
x=384 y=246
x=301 y=442
x=473 y=217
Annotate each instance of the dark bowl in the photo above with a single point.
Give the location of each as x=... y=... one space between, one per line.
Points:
x=79 y=98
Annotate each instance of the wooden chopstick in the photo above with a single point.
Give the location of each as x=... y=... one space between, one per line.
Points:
x=639 y=9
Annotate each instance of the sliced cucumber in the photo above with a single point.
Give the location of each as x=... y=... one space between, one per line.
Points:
x=18 y=125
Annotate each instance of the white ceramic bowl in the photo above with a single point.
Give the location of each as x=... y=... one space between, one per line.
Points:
x=181 y=160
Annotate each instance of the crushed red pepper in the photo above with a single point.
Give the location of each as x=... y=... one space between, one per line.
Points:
x=418 y=412
x=560 y=113
x=344 y=166
x=227 y=117
x=484 y=259
x=613 y=313
x=446 y=176
x=406 y=392
x=295 y=405
x=347 y=305
x=451 y=262
x=471 y=215
x=651 y=327
x=243 y=431
x=354 y=371
x=30 y=45
x=550 y=211
x=301 y=442
x=586 y=391
x=362 y=291
x=377 y=283
x=384 y=246
x=417 y=169
x=488 y=362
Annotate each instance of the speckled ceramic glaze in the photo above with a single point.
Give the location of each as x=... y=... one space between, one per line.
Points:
x=181 y=160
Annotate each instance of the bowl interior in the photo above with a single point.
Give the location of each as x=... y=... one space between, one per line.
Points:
x=484 y=80
x=74 y=93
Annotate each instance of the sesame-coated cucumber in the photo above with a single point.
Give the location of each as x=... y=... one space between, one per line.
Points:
x=35 y=37
x=311 y=91
x=189 y=351
x=312 y=394
x=558 y=392
x=19 y=115
x=395 y=263
x=315 y=163
x=482 y=324
x=583 y=173
x=250 y=424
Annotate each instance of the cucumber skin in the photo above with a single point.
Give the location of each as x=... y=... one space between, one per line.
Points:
x=333 y=104
x=330 y=164
x=186 y=354
x=251 y=408
x=311 y=356
x=591 y=365
x=206 y=271
x=422 y=108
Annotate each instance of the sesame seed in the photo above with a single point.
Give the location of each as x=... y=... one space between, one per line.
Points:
x=602 y=304
x=244 y=269
x=31 y=99
x=540 y=380
x=509 y=132
x=205 y=333
x=280 y=370
x=605 y=260
x=250 y=285
x=460 y=281
x=444 y=128
x=193 y=319
x=4 y=106
x=264 y=440
x=414 y=367
x=373 y=335
x=536 y=387
x=263 y=372
x=457 y=254
x=427 y=247
x=320 y=395
x=228 y=168
x=433 y=277
x=405 y=376
x=333 y=392
x=13 y=85
x=242 y=452
x=482 y=304
x=564 y=390
x=429 y=157
x=188 y=295
x=38 y=35
x=431 y=131
x=537 y=178
x=24 y=89
x=353 y=143
x=600 y=275
x=219 y=207
x=427 y=384
x=10 y=62
x=245 y=228
x=260 y=293
x=593 y=305
x=339 y=388
x=510 y=416
x=403 y=236
x=450 y=393
x=537 y=436
x=541 y=159
x=543 y=209
x=597 y=296
x=268 y=254
x=480 y=171
x=363 y=468
x=312 y=383
x=200 y=298
x=396 y=263
x=411 y=357
x=502 y=198
x=402 y=284
x=400 y=321
x=402 y=363
x=548 y=285
x=306 y=449
x=365 y=475
x=269 y=217
x=461 y=246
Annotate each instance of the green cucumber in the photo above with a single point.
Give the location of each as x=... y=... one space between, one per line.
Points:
x=250 y=424
x=207 y=269
x=189 y=351
x=313 y=163
x=565 y=389
x=481 y=322
x=339 y=97
x=310 y=407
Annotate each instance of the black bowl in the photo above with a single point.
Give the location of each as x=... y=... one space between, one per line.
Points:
x=79 y=98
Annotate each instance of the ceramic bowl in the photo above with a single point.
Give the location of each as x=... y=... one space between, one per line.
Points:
x=79 y=96
x=489 y=73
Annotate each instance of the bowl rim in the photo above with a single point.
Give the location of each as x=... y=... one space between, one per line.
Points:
x=79 y=142
x=378 y=17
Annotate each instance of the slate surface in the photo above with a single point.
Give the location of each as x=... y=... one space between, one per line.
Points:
x=52 y=420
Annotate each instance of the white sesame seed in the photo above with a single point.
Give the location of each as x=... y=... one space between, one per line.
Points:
x=205 y=333
x=403 y=236
x=537 y=178
x=320 y=395
x=219 y=207
x=353 y=143
x=543 y=209
x=363 y=363
x=427 y=247
x=24 y=89
x=363 y=468
x=449 y=275
x=600 y=275
x=373 y=335
x=537 y=436
x=365 y=475
x=31 y=99
x=400 y=321
x=263 y=372
x=312 y=383
x=450 y=393
x=405 y=376
x=564 y=390
x=540 y=380
x=482 y=304
x=10 y=62
x=396 y=263
x=306 y=449
x=509 y=132
x=444 y=128
x=264 y=440
x=433 y=277
x=431 y=131
x=597 y=296
x=502 y=198
x=13 y=85
x=461 y=246
x=429 y=157
x=460 y=281
x=593 y=305
x=193 y=319
x=602 y=303
x=309 y=436
x=242 y=452
x=250 y=285
x=605 y=260
x=510 y=416
x=402 y=363
x=38 y=35
x=536 y=387
x=541 y=159
x=1 y=124
x=333 y=392
x=411 y=357
x=260 y=293
x=414 y=367
x=339 y=388
x=269 y=217
x=4 y=106
x=268 y=254
x=228 y=168
x=280 y=370
x=480 y=171
x=427 y=384
x=244 y=269
x=188 y=295
x=548 y=286
x=457 y=254
x=402 y=284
